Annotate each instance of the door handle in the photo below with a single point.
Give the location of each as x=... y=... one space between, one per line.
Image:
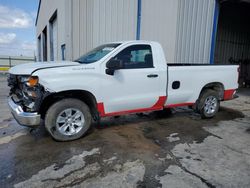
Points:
x=152 y=76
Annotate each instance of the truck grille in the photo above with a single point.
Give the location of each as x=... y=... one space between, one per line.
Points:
x=12 y=82
x=14 y=85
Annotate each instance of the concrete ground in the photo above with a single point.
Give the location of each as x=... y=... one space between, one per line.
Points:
x=154 y=150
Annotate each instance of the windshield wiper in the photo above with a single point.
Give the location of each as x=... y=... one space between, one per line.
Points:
x=78 y=61
x=84 y=62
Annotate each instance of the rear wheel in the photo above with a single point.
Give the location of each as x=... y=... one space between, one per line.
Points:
x=68 y=119
x=209 y=103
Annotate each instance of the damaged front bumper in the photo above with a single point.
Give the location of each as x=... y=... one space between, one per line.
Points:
x=30 y=119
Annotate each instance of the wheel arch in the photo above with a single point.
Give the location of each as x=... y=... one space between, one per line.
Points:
x=216 y=86
x=85 y=96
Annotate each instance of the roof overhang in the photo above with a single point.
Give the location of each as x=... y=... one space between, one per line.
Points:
x=38 y=11
x=235 y=1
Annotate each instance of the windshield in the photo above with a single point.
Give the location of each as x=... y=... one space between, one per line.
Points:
x=97 y=53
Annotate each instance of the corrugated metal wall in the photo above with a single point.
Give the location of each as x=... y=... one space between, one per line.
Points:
x=194 y=31
x=96 y=22
x=233 y=36
x=232 y=46
x=158 y=23
x=183 y=27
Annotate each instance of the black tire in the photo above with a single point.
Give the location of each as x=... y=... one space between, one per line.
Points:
x=58 y=109
x=207 y=110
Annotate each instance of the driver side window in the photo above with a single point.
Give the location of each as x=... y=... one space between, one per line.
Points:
x=136 y=56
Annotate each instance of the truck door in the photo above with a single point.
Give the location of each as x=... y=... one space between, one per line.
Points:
x=135 y=87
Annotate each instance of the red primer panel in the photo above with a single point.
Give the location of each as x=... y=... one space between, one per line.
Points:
x=180 y=104
x=228 y=94
x=157 y=106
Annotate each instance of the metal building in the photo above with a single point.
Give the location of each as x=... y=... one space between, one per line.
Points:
x=190 y=31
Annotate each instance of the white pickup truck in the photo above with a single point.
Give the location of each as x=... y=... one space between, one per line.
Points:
x=113 y=79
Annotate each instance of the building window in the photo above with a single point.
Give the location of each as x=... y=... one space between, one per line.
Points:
x=63 y=48
x=45 y=55
x=39 y=49
x=53 y=37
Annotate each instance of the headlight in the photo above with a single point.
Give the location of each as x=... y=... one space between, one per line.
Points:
x=31 y=93
x=32 y=81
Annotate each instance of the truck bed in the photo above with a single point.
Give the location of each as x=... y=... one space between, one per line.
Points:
x=193 y=77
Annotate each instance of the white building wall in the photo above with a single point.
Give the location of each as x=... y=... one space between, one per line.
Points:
x=158 y=23
x=183 y=27
x=95 y=22
x=47 y=9
x=194 y=31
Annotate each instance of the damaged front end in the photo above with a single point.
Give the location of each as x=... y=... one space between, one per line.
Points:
x=26 y=95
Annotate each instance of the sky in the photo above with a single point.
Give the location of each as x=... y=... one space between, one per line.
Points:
x=17 y=27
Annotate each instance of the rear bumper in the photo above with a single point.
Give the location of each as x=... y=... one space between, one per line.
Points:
x=230 y=94
x=23 y=118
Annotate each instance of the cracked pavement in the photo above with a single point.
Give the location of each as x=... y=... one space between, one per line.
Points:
x=150 y=150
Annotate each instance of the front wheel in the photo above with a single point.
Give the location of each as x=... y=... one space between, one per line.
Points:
x=68 y=119
x=209 y=103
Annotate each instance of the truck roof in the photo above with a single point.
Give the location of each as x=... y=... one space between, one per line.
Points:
x=134 y=42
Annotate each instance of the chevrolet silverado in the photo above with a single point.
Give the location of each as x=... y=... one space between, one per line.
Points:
x=111 y=80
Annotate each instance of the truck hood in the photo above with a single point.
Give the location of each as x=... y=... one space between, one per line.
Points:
x=29 y=68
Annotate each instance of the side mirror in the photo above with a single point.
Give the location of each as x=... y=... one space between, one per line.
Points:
x=113 y=65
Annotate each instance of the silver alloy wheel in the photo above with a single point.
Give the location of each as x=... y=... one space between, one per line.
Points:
x=211 y=104
x=70 y=121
